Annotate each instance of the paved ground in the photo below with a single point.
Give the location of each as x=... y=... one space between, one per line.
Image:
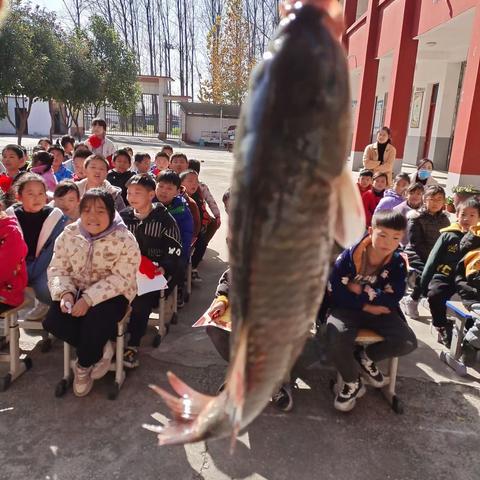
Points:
x=42 y=437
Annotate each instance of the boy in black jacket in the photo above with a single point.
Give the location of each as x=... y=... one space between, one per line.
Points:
x=160 y=244
x=438 y=276
x=121 y=172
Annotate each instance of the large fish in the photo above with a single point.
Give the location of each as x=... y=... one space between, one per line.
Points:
x=290 y=193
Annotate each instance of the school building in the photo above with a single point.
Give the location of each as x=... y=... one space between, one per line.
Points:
x=414 y=66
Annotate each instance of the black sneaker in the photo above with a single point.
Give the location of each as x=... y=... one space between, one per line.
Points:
x=347 y=397
x=196 y=276
x=445 y=335
x=130 y=357
x=283 y=399
x=370 y=371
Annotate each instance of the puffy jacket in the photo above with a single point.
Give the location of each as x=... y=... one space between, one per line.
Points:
x=371 y=198
x=13 y=271
x=116 y=192
x=389 y=201
x=119 y=180
x=180 y=211
x=371 y=161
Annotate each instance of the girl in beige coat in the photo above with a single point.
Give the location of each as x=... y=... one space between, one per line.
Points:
x=380 y=156
x=92 y=279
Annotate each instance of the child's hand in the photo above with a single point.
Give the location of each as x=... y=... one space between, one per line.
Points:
x=355 y=288
x=80 y=308
x=159 y=271
x=376 y=309
x=66 y=303
x=217 y=309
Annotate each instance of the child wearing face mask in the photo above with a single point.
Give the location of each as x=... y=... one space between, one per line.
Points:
x=423 y=174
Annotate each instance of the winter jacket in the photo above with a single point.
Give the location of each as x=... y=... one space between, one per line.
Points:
x=205 y=217
x=52 y=227
x=63 y=174
x=371 y=161
x=429 y=181
x=158 y=237
x=194 y=210
x=370 y=200
x=423 y=231
x=386 y=289
x=13 y=271
x=119 y=180
x=47 y=175
x=467 y=277
x=443 y=259
x=101 y=268
x=116 y=192
x=404 y=208
x=179 y=210
x=106 y=148
x=389 y=201
x=363 y=190
x=208 y=197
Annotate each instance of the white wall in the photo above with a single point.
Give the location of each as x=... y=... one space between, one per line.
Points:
x=38 y=121
x=196 y=125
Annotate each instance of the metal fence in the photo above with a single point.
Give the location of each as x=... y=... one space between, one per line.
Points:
x=173 y=127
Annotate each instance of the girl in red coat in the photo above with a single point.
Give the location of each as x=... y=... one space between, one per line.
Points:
x=372 y=197
x=13 y=250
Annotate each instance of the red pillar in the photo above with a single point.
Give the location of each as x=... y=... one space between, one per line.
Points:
x=349 y=17
x=464 y=166
x=368 y=84
x=401 y=81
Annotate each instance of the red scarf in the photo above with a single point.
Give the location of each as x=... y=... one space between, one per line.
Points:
x=94 y=141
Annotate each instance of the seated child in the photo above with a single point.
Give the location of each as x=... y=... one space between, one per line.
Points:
x=96 y=170
x=92 y=279
x=66 y=197
x=44 y=143
x=98 y=143
x=179 y=162
x=366 y=286
x=365 y=179
x=414 y=200
x=68 y=144
x=142 y=163
x=438 y=276
x=42 y=165
x=13 y=251
x=423 y=228
x=59 y=169
x=158 y=237
x=161 y=163
x=168 y=149
x=396 y=195
x=121 y=172
x=78 y=163
x=12 y=160
x=372 y=197
x=40 y=225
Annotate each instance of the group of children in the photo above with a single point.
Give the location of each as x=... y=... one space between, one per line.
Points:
x=81 y=239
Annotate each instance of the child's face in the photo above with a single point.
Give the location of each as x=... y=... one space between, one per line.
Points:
x=166 y=192
x=98 y=130
x=414 y=198
x=168 y=151
x=161 y=163
x=94 y=217
x=78 y=169
x=10 y=161
x=33 y=197
x=68 y=148
x=365 y=181
x=96 y=173
x=380 y=184
x=190 y=182
x=58 y=159
x=139 y=197
x=401 y=186
x=179 y=164
x=122 y=164
x=467 y=217
x=385 y=239
x=435 y=203
x=44 y=144
x=144 y=165
x=69 y=204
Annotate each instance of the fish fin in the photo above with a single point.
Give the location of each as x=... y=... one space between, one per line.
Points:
x=182 y=389
x=350 y=218
x=236 y=386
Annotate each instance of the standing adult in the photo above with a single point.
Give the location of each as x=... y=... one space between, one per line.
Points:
x=379 y=157
x=423 y=174
x=98 y=143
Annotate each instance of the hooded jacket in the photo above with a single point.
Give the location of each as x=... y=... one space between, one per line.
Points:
x=180 y=211
x=101 y=267
x=443 y=259
x=13 y=271
x=386 y=289
x=115 y=192
x=389 y=201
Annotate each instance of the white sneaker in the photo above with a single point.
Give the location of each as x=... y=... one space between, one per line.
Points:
x=38 y=312
x=410 y=307
x=101 y=368
x=347 y=396
x=82 y=380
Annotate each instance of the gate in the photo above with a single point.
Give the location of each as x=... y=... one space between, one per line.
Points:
x=142 y=123
x=173 y=116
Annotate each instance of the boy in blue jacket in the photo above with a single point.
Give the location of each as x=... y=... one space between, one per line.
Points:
x=366 y=286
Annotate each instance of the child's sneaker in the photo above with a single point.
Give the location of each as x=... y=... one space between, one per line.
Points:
x=283 y=399
x=370 y=371
x=101 y=368
x=445 y=335
x=410 y=307
x=345 y=400
x=196 y=277
x=82 y=381
x=130 y=357
x=38 y=312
